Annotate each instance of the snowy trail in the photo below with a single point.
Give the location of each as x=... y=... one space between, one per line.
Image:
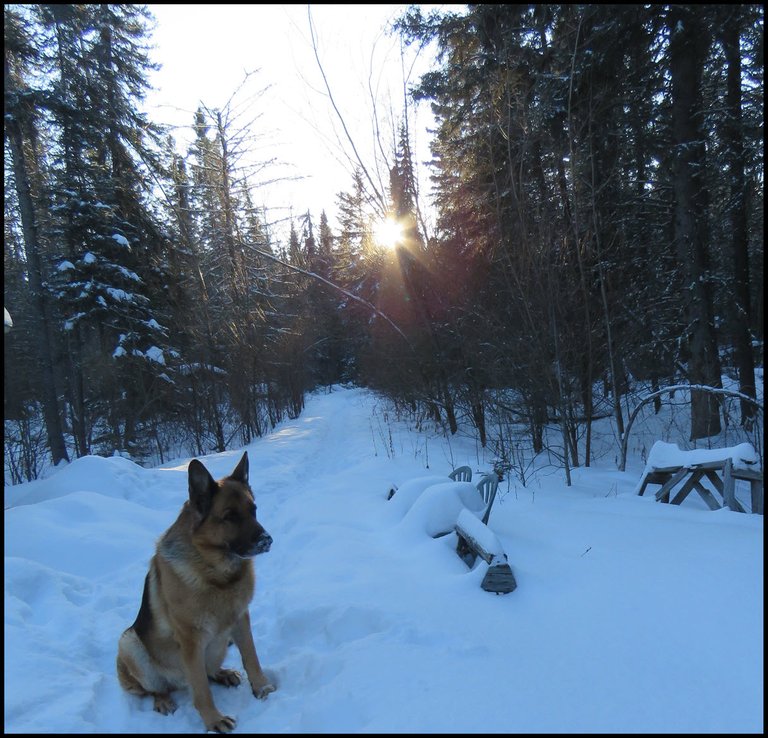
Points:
x=369 y=625
x=301 y=475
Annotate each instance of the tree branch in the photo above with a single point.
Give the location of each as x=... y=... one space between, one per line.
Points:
x=379 y=196
x=333 y=285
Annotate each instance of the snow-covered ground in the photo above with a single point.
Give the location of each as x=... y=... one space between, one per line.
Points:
x=629 y=615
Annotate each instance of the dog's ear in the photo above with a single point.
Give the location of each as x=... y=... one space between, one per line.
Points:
x=201 y=487
x=240 y=474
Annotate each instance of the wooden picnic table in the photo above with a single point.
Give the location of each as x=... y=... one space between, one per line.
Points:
x=720 y=472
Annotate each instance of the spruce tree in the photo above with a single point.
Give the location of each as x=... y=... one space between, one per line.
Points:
x=108 y=274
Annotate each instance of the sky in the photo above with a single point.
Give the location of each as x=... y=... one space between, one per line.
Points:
x=629 y=616
x=206 y=50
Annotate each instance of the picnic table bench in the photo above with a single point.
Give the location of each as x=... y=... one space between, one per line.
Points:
x=718 y=468
x=475 y=539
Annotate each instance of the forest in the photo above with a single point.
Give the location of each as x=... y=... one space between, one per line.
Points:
x=597 y=177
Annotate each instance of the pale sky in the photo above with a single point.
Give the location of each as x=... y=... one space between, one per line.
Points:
x=205 y=51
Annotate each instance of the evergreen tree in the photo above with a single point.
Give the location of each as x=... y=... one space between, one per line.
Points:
x=108 y=263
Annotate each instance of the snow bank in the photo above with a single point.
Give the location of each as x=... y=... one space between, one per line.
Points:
x=484 y=536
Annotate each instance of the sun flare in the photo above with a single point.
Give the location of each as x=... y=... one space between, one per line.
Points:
x=388 y=233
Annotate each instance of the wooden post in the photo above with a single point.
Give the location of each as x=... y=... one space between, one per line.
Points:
x=711 y=474
x=693 y=481
x=643 y=483
x=729 y=486
x=710 y=499
x=755 y=479
x=663 y=494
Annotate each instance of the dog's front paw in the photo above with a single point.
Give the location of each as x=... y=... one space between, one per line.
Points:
x=227 y=677
x=221 y=724
x=164 y=704
x=263 y=690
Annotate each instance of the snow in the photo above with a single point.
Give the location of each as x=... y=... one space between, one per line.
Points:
x=437 y=508
x=65 y=266
x=406 y=494
x=70 y=324
x=122 y=240
x=188 y=369
x=155 y=354
x=128 y=274
x=484 y=536
x=664 y=455
x=629 y=615
x=119 y=295
x=89 y=258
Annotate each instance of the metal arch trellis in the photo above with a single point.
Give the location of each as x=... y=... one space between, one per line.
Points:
x=670 y=389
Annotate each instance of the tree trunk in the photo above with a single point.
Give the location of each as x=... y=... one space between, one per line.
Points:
x=734 y=145
x=538 y=410
x=76 y=390
x=477 y=408
x=448 y=404
x=43 y=339
x=561 y=397
x=689 y=42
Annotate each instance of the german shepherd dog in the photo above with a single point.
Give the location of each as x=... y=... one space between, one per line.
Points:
x=195 y=601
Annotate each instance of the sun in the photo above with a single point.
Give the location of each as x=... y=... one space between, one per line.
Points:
x=388 y=233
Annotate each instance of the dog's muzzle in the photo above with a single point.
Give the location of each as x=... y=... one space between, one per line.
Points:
x=262 y=545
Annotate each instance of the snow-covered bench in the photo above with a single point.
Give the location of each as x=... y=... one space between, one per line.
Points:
x=477 y=539
x=668 y=465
